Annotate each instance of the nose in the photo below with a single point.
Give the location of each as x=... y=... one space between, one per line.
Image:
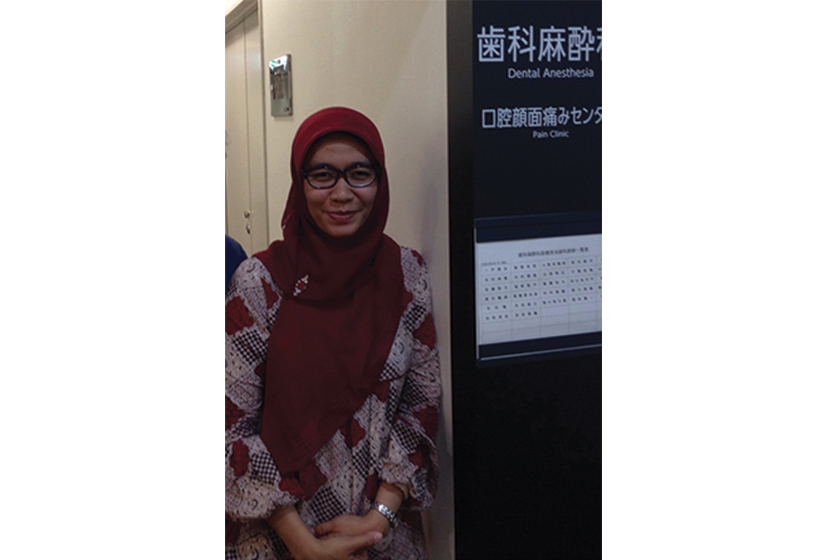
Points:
x=341 y=191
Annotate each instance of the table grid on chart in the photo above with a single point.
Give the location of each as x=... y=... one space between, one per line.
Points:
x=539 y=298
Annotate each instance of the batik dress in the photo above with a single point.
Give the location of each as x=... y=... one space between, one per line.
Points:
x=390 y=438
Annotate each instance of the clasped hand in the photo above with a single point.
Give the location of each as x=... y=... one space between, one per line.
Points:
x=349 y=536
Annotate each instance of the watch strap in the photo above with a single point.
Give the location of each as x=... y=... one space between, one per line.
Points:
x=386 y=511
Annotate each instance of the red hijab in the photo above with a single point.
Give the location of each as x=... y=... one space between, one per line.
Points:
x=342 y=302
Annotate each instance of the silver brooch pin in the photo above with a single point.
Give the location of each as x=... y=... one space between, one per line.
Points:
x=300 y=285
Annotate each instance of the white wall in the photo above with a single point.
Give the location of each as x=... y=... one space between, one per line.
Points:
x=387 y=59
x=229 y=4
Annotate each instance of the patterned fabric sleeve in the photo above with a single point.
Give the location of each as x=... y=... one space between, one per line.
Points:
x=411 y=458
x=253 y=486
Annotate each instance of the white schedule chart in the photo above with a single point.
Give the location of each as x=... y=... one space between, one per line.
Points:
x=538 y=288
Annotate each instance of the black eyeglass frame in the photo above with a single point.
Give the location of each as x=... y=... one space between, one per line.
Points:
x=341 y=173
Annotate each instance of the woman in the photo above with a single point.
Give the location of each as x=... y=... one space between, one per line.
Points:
x=332 y=376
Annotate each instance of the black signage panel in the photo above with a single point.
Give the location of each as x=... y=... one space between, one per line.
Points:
x=537 y=138
x=537 y=107
x=525 y=120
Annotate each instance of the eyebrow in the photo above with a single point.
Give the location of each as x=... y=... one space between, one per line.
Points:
x=323 y=163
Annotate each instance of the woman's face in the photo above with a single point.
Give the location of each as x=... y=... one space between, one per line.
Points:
x=340 y=210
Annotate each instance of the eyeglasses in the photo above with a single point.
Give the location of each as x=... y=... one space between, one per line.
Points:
x=326 y=176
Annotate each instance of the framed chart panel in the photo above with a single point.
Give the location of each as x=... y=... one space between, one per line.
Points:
x=538 y=286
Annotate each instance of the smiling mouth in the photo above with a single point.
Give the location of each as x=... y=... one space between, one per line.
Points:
x=341 y=216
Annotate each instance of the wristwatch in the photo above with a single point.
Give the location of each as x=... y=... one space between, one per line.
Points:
x=386 y=511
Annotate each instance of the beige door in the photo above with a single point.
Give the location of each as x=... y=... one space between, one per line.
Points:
x=246 y=217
